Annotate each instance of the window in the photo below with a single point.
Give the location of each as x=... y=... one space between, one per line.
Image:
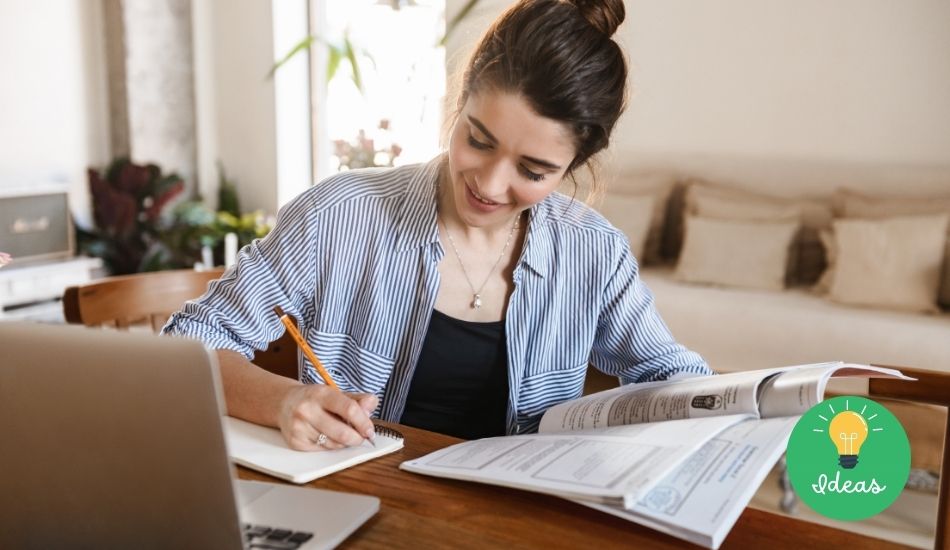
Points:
x=378 y=82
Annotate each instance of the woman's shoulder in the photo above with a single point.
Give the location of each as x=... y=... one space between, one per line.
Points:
x=362 y=184
x=572 y=215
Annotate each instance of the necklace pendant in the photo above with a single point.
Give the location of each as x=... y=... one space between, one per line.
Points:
x=477 y=302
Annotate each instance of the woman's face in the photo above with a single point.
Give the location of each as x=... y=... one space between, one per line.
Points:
x=504 y=158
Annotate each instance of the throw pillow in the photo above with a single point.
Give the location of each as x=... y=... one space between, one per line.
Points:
x=852 y=204
x=892 y=263
x=751 y=254
x=631 y=214
x=806 y=261
x=659 y=185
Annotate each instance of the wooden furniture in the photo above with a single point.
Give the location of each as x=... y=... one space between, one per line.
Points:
x=427 y=512
x=931 y=388
x=420 y=511
x=147 y=300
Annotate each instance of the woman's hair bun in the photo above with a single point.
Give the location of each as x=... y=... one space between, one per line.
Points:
x=604 y=15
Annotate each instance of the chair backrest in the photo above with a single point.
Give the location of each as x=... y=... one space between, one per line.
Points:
x=148 y=299
x=932 y=388
x=132 y=300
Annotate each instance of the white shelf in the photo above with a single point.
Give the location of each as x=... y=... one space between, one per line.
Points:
x=40 y=286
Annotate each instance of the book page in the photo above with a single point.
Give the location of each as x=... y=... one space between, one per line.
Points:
x=700 y=397
x=701 y=499
x=800 y=388
x=616 y=465
x=768 y=393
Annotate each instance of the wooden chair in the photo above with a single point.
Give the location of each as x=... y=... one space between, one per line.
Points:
x=932 y=388
x=147 y=300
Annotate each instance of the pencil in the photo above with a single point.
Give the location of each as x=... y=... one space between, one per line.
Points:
x=305 y=347
x=295 y=334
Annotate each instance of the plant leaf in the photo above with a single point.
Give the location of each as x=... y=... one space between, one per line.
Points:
x=304 y=44
x=333 y=63
x=351 y=56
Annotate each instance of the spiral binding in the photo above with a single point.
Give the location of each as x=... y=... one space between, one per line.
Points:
x=388 y=432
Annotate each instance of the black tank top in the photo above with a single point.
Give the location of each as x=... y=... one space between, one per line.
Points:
x=460 y=385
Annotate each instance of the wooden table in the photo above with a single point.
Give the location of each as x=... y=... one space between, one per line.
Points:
x=427 y=512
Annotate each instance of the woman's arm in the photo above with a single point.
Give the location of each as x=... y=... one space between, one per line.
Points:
x=236 y=318
x=632 y=341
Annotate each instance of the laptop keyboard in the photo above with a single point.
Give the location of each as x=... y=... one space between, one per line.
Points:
x=269 y=538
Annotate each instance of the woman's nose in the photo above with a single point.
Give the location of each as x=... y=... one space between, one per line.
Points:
x=494 y=182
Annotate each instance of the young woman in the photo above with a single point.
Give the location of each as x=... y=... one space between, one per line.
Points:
x=464 y=295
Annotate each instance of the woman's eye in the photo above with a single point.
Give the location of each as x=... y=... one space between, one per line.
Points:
x=477 y=144
x=531 y=175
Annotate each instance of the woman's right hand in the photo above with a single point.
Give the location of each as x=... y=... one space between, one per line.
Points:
x=309 y=410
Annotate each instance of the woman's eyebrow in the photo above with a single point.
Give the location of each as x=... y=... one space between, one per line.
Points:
x=481 y=128
x=542 y=163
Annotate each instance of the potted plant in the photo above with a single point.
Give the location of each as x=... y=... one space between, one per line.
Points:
x=128 y=201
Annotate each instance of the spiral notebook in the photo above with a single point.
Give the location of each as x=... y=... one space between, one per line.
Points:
x=264 y=449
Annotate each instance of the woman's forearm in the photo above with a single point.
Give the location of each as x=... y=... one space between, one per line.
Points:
x=250 y=392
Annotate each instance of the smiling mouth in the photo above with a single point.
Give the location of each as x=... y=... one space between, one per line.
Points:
x=481 y=199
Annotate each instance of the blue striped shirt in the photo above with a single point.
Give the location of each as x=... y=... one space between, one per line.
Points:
x=355 y=260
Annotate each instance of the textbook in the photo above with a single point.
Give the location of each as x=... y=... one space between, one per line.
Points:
x=264 y=449
x=682 y=456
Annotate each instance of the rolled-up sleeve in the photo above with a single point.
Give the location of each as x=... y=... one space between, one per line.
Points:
x=632 y=341
x=236 y=313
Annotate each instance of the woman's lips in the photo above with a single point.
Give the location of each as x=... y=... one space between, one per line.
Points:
x=479 y=205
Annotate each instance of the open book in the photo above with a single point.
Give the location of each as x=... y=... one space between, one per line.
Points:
x=683 y=456
x=264 y=449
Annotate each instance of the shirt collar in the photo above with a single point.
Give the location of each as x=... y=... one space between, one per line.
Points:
x=417 y=222
x=538 y=251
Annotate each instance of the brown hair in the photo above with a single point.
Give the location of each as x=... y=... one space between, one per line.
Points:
x=559 y=56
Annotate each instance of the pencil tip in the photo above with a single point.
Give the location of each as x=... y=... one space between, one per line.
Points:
x=278 y=311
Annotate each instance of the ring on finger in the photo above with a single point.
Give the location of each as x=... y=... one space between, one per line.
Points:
x=321 y=439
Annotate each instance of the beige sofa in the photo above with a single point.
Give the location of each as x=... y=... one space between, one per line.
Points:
x=744 y=329
x=781 y=315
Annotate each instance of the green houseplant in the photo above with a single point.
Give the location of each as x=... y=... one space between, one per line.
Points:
x=139 y=229
x=128 y=201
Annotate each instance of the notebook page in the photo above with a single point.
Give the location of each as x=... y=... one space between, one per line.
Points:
x=264 y=449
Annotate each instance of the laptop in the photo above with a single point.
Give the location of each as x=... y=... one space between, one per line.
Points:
x=114 y=440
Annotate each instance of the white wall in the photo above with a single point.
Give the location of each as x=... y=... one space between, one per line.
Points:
x=808 y=93
x=53 y=115
x=256 y=126
x=234 y=49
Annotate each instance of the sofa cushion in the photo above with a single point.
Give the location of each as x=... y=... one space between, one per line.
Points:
x=752 y=254
x=892 y=263
x=738 y=329
x=852 y=204
x=658 y=185
x=631 y=214
x=806 y=260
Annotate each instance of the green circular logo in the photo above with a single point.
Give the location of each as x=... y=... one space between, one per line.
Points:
x=848 y=458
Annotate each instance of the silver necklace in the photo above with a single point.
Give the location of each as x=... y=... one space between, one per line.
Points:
x=477 y=294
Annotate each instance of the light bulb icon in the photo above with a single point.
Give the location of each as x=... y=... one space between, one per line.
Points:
x=848 y=431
